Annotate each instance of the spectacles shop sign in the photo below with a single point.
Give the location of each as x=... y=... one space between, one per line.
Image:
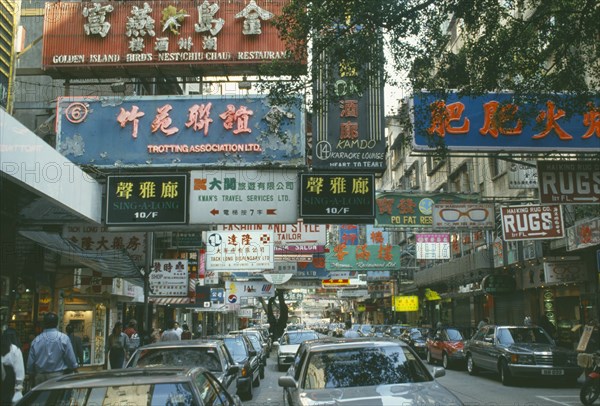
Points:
x=463 y=215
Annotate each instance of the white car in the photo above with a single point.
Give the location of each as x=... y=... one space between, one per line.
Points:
x=288 y=346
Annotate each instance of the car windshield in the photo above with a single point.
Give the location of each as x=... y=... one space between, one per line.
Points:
x=511 y=335
x=255 y=342
x=414 y=334
x=180 y=394
x=206 y=357
x=366 y=328
x=363 y=367
x=299 y=337
x=454 y=335
x=236 y=347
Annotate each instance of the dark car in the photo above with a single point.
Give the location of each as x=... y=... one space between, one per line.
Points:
x=259 y=346
x=520 y=352
x=446 y=344
x=264 y=331
x=362 y=371
x=416 y=338
x=210 y=354
x=133 y=386
x=246 y=358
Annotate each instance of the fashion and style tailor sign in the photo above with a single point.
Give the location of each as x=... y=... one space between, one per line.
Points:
x=185 y=131
x=494 y=122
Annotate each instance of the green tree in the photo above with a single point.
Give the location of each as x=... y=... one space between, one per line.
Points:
x=473 y=46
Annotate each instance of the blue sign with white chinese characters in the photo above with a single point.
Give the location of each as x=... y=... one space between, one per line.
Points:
x=185 y=131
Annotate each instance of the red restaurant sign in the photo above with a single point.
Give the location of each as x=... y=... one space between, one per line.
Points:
x=532 y=222
x=183 y=38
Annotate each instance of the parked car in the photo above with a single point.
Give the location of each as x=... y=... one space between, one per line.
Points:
x=416 y=338
x=446 y=344
x=264 y=331
x=288 y=345
x=379 y=330
x=246 y=358
x=364 y=330
x=210 y=354
x=259 y=346
x=520 y=352
x=396 y=330
x=363 y=371
x=133 y=386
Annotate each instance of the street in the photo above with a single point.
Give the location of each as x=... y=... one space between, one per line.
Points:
x=483 y=389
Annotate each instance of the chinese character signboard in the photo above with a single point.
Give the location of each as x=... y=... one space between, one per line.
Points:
x=584 y=234
x=157 y=38
x=96 y=238
x=432 y=246
x=564 y=270
x=243 y=196
x=348 y=128
x=363 y=257
x=337 y=198
x=169 y=277
x=532 y=222
x=297 y=238
x=239 y=251
x=183 y=131
x=494 y=122
x=411 y=210
x=406 y=303
x=565 y=182
x=146 y=199
x=463 y=216
x=522 y=176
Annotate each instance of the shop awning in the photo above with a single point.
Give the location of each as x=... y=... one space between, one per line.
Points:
x=171 y=301
x=112 y=263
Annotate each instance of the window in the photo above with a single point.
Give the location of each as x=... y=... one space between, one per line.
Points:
x=211 y=392
x=495 y=167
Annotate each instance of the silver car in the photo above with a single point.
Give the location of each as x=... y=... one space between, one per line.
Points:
x=367 y=371
x=133 y=386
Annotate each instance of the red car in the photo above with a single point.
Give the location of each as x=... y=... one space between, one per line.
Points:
x=446 y=345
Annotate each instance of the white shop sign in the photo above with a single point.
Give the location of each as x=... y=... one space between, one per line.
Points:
x=249 y=289
x=169 y=277
x=239 y=251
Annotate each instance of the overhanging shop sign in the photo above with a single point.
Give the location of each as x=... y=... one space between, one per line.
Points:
x=169 y=277
x=569 y=182
x=243 y=196
x=188 y=131
x=363 y=257
x=239 y=251
x=532 y=222
x=146 y=199
x=249 y=289
x=493 y=122
x=463 y=216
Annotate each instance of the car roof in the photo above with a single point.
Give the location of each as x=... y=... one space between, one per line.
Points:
x=182 y=343
x=333 y=343
x=122 y=377
x=300 y=331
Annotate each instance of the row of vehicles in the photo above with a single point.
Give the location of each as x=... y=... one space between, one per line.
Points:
x=219 y=370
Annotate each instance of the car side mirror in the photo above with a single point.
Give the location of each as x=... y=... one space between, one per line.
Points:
x=287 y=381
x=233 y=370
x=438 y=372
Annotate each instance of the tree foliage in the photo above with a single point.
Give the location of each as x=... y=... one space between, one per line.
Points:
x=472 y=46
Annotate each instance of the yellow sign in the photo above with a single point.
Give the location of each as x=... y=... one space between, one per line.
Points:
x=361 y=308
x=406 y=303
x=431 y=295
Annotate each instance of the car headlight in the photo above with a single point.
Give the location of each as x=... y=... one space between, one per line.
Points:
x=522 y=359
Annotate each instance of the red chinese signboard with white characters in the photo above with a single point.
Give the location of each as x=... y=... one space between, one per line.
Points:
x=532 y=222
x=161 y=38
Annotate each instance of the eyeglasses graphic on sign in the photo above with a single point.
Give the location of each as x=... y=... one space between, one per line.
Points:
x=453 y=215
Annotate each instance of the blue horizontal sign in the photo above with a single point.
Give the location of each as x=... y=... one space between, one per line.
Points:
x=495 y=122
x=180 y=131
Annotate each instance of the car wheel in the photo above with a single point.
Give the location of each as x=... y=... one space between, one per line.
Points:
x=445 y=361
x=505 y=375
x=256 y=382
x=262 y=372
x=589 y=392
x=471 y=368
x=246 y=395
x=429 y=358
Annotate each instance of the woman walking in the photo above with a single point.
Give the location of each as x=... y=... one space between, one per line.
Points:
x=116 y=346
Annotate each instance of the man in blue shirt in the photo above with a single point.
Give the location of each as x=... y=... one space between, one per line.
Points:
x=51 y=353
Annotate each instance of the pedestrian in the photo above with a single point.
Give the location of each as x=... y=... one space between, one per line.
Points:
x=170 y=334
x=76 y=342
x=349 y=333
x=133 y=336
x=485 y=321
x=116 y=347
x=199 y=329
x=51 y=353
x=178 y=329
x=186 y=334
x=13 y=371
